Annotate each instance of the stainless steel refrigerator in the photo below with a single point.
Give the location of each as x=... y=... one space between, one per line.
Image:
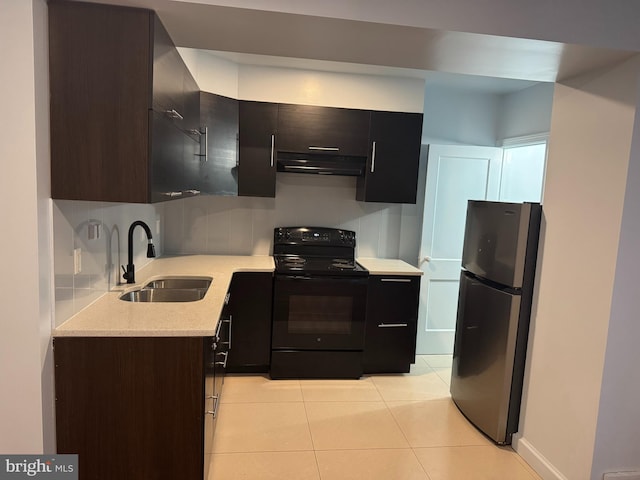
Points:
x=494 y=306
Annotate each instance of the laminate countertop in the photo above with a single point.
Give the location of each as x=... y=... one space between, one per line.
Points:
x=111 y=317
x=388 y=266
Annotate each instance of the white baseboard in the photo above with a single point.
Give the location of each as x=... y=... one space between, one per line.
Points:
x=535 y=459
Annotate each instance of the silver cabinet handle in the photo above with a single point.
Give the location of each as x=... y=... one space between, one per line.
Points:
x=217 y=334
x=393 y=325
x=226 y=298
x=396 y=280
x=373 y=158
x=230 y=322
x=213 y=412
x=325 y=149
x=173 y=114
x=224 y=362
x=172 y=194
x=204 y=145
x=192 y=192
x=273 y=142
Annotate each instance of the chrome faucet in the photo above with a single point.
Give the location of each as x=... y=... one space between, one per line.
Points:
x=130 y=272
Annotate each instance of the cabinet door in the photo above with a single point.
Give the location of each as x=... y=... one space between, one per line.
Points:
x=257 y=168
x=100 y=95
x=218 y=171
x=251 y=295
x=167 y=166
x=168 y=76
x=191 y=93
x=135 y=401
x=311 y=129
x=392 y=314
x=392 y=167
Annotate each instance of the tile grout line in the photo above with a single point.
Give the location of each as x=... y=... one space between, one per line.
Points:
x=306 y=414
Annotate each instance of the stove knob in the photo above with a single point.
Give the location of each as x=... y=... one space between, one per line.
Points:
x=288 y=235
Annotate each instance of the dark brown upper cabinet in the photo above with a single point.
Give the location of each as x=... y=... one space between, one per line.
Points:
x=257 y=162
x=123 y=108
x=311 y=129
x=217 y=172
x=391 y=175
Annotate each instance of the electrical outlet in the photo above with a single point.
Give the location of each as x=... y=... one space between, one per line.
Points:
x=77 y=261
x=622 y=476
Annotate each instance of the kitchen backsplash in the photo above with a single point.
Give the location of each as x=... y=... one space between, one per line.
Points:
x=244 y=225
x=74 y=223
x=215 y=225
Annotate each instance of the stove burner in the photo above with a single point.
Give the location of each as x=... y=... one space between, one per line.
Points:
x=295 y=260
x=341 y=261
x=343 y=266
x=315 y=251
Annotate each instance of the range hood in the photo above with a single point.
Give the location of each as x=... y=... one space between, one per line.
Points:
x=321 y=164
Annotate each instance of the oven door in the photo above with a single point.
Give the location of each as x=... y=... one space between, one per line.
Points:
x=319 y=313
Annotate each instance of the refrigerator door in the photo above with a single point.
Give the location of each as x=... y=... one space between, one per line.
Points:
x=483 y=358
x=495 y=241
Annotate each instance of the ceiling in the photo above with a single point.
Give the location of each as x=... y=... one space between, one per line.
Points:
x=458 y=60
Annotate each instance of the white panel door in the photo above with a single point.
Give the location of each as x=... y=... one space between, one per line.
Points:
x=455 y=174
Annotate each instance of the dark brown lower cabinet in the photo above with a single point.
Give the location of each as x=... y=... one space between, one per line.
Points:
x=391 y=325
x=250 y=307
x=131 y=407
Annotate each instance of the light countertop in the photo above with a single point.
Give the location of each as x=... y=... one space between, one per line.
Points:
x=388 y=266
x=111 y=317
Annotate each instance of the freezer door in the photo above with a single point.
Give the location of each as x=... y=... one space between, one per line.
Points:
x=483 y=357
x=495 y=241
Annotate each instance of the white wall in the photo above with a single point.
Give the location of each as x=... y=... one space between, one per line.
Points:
x=24 y=324
x=525 y=112
x=617 y=445
x=309 y=87
x=455 y=116
x=583 y=199
x=212 y=73
x=332 y=89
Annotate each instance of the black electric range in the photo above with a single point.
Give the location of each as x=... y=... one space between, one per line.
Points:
x=319 y=304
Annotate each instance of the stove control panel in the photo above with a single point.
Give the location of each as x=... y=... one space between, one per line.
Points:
x=314 y=235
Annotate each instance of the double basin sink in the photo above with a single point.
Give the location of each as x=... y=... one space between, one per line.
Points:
x=170 y=289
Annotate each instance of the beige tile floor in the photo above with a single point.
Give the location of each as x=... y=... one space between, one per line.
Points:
x=391 y=427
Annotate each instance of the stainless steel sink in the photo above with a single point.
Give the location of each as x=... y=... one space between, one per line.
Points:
x=179 y=283
x=164 y=295
x=170 y=289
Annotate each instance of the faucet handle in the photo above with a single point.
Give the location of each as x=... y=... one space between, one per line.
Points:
x=128 y=275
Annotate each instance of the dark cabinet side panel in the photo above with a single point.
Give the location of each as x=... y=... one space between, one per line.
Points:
x=392 y=316
x=132 y=408
x=392 y=167
x=251 y=297
x=100 y=71
x=257 y=169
